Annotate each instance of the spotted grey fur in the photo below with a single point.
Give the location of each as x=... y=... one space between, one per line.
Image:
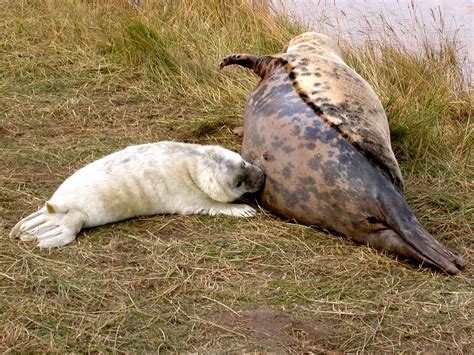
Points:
x=315 y=172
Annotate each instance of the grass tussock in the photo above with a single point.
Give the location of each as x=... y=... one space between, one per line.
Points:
x=81 y=79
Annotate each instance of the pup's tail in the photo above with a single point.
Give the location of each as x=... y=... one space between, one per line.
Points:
x=52 y=226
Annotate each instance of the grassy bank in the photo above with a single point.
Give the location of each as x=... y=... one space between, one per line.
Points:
x=80 y=79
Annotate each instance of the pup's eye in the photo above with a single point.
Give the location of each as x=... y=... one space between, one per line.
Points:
x=242 y=165
x=239 y=183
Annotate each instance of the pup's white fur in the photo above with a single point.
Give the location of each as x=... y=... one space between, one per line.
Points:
x=157 y=178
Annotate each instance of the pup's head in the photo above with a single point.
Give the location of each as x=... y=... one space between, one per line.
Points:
x=226 y=176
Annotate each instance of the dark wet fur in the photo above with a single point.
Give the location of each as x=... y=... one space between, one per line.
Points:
x=315 y=176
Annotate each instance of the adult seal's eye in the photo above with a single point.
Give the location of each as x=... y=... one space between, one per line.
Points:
x=238 y=184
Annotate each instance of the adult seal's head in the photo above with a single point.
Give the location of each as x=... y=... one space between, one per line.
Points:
x=320 y=133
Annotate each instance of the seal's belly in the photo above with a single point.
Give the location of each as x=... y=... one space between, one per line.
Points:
x=313 y=175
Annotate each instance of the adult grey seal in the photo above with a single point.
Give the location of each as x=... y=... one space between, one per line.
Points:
x=148 y=179
x=320 y=134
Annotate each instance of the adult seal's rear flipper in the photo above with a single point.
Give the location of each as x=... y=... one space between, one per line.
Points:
x=261 y=65
x=401 y=219
x=404 y=235
x=389 y=241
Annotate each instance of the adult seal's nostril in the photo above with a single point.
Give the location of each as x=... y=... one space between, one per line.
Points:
x=320 y=134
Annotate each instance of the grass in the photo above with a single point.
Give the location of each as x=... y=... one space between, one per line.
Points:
x=82 y=79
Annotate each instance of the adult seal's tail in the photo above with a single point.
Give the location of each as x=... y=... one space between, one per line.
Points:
x=320 y=134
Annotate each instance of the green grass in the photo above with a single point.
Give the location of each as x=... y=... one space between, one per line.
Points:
x=82 y=79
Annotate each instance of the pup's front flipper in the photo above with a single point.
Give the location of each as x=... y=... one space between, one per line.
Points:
x=230 y=209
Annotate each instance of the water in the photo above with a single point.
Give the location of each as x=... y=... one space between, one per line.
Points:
x=399 y=20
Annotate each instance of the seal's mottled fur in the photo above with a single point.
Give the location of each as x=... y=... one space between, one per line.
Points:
x=326 y=153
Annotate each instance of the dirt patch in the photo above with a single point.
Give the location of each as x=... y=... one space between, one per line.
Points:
x=277 y=330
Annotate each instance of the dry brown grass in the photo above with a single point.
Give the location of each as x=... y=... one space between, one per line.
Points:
x=81 y=80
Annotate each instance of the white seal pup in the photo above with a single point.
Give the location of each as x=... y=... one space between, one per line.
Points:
x=148 y=179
